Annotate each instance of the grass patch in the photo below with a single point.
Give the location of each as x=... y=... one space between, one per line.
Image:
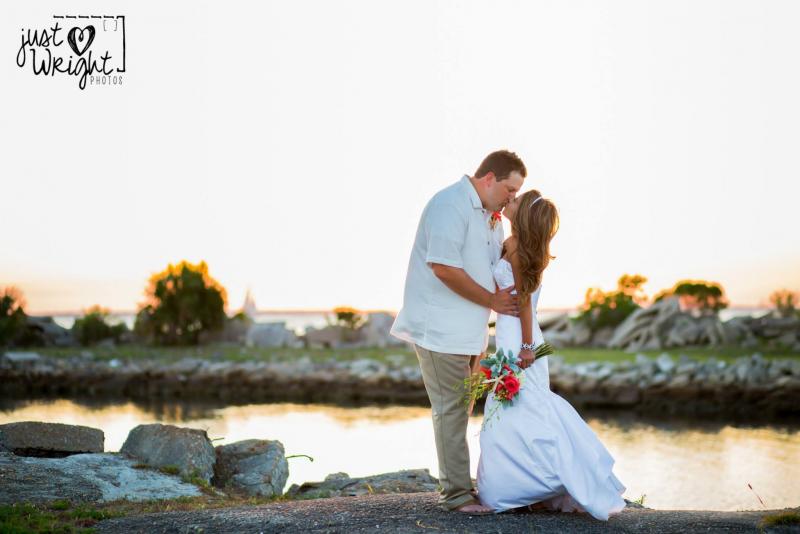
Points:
x=68 y=518
x=781 y=519
x=195 y=478
x=396 y=355
x=728 y=354
x=169 y=469
x=234 y=353
x=210 y=500
x=58 y=516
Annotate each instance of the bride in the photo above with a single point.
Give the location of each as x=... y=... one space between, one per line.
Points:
x=538 y=452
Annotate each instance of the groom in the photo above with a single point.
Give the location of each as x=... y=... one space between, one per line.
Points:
x=449 y=293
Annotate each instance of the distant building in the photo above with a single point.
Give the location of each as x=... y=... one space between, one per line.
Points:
x=249 y=306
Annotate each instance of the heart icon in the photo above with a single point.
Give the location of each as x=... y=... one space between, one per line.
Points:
x=85 y=38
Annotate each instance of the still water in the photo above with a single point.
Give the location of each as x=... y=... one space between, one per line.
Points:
x=675 y=464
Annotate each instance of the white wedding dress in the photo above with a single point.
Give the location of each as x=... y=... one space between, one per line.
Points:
x=539 y=450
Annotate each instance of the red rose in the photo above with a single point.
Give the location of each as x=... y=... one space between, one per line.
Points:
x=486 y=372
x=511 y=384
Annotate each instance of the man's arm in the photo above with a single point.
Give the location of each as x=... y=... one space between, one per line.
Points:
x=462 y=284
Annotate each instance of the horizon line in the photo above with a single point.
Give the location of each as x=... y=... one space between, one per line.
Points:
x=310 y=311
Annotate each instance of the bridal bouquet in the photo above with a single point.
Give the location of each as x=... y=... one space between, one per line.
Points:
x=499 y=374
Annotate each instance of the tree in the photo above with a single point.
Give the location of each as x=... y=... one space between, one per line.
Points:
x=349 y=318
x=601 y=309
x=182 y=301
x=12 y=315
x=699 y=296
x=785 y=302
x=94 y=327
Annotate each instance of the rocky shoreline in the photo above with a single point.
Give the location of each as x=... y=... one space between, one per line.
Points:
x=749 y=387
x=45 y=463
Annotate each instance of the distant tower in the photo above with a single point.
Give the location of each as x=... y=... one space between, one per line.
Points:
x=249 y=306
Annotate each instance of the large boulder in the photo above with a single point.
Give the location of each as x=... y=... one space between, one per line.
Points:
x=559 y=330
x=330 y=337
x=55 y=440
x=341 y=485
x=187 y=449
x=49 y=332
x=270 y=335
x=644 y=328
x=254 y=466
x=21 y=356
x=375 y=332
x=96 y=477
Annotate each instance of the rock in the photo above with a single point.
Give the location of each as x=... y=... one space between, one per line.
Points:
x=604 y=372
x=602 y=337
x=366 y=368
x=659 y=379
x=737 y=330
x=329 y=337
x=20 y=356
x=255 y=466
x=33 y=438
x=664 y=363
x=158 y=445
x=555 y=323
x=787 y=340
x=581 y=333
x=622 y=379
x=94 y=477
x=375 y=332
x=270 y=335
x=643 y=328
x=559 y=330
x=340 y=485
x=49 y=332
x=680 y=381
x=234 y=331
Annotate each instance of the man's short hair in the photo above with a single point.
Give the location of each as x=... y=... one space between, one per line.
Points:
x=502 y=163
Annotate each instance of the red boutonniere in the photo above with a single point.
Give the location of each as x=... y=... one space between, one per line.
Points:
x=495 y=219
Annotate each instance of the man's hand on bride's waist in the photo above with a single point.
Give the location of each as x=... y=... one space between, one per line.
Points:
x=503 y=302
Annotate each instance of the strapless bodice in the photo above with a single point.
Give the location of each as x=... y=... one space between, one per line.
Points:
x=504 y=276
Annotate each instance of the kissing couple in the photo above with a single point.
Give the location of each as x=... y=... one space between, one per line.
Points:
x=540 y=453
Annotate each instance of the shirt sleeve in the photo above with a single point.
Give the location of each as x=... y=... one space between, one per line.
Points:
x=446 y=230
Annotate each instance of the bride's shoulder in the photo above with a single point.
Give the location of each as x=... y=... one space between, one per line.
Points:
x=510 y=243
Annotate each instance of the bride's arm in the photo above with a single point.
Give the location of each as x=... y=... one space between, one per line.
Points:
x=525 y=308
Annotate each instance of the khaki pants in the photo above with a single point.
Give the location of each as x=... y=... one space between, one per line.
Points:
x=442 y=373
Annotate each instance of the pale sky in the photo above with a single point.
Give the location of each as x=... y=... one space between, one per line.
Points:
x=292 y=145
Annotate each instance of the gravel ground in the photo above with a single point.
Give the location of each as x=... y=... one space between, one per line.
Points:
x=418 y=513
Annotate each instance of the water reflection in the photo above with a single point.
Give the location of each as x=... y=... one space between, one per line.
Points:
x=677 y=463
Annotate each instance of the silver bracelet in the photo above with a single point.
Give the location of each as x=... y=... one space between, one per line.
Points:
x=527 y=346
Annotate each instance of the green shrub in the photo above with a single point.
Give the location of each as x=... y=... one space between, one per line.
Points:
x=349 y=318
x=785 y=302
x=700 y=296
x=94 y=327
x=608 y=309
x=183 y=301
x=12 y=316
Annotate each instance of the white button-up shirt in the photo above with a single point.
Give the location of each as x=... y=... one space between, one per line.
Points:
x=454 y=230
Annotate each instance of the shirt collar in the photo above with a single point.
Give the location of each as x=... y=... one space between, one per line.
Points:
x=473 y=194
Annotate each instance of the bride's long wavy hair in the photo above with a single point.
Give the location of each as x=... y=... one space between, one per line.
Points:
x=534 y=226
